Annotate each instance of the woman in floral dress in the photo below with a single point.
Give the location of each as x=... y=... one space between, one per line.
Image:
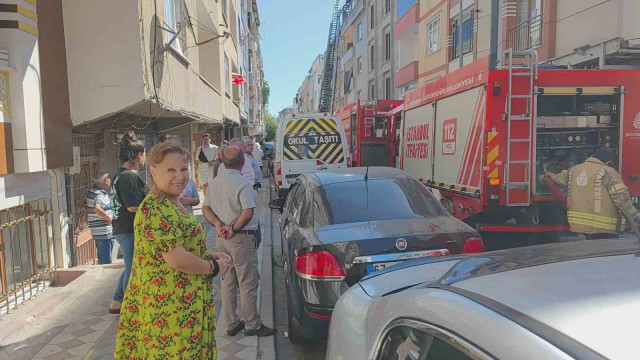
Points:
x=168 y=310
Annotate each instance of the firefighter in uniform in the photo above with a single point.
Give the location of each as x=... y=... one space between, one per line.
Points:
x=598 y=198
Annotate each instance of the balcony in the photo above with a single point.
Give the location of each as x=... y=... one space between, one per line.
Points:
x=406 y=74
x=526 y=35
x=409 y=20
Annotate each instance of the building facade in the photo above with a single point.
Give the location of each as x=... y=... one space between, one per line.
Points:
x=366 y=53
x=35 y=149
x=286 y=112
x=561 y=32
x=308 y=99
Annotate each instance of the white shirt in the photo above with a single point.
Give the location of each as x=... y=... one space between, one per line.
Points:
x=247 y=170
x=210 y=153
x=257 y=153
x=229 y=194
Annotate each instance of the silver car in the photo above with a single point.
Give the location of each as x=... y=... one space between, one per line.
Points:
x=573 y=300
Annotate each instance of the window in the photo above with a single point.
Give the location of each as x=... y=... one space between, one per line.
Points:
x=372 y=22
x=372 y=57
x=387 y=46
x=378 y=200
x=433 y=35
x=372 y=92
x=297 y=200
x=320 y=217
x=359 y=31
x=387 y=6
x=225 y=9
x=227 y=75
x=406 y=343
x=387 y=87
x=287 y=205
x=467 y=33
x=174 y=21
x=359 y=65
x=359 y=94
x=250 y=61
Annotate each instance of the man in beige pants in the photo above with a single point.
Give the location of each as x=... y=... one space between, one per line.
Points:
x=230 y=206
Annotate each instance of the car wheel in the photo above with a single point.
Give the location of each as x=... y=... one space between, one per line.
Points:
x=294 y=332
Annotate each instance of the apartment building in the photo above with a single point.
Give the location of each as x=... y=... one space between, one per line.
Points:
x=165 y=69
x=35 y=149
x=366 y=53
x=286 y=112
x=562 y=33
x=255 y=73
x=308 y=98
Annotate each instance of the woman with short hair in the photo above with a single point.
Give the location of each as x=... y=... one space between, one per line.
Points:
x=168 y=310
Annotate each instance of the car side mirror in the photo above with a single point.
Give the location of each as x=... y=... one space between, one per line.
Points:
x=276 y=204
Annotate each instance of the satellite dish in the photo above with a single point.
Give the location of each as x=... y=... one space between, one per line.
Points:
x=156 y=52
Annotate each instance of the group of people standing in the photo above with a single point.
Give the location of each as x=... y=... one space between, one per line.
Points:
x=164 y=295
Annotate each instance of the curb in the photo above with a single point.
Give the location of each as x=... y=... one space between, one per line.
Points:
x=267 y=346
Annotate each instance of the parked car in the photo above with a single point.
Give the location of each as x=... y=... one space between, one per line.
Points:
x=340 y=226
x=573 y=300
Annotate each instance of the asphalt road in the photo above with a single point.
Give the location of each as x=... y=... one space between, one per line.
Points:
x=285 y=349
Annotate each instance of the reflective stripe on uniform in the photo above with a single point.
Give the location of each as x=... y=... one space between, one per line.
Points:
x=592 y=224
x=593 y=220
x=618 y=188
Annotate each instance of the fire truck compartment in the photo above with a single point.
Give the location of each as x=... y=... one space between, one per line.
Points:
x=570 y=126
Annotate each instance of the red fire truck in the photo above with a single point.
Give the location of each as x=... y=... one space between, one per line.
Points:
x=370 y=132
x=482 y=139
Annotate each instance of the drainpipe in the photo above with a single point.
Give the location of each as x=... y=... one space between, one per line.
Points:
x=460 y=37
x=493 y=44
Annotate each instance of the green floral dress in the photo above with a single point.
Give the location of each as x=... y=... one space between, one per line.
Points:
x=166 y=314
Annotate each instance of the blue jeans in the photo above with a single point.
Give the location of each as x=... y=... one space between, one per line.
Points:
x=126 y=244
x=105 y=248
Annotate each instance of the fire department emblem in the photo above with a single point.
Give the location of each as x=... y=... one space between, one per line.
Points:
x=636 y=121
x=582 y=179
x=401 y=244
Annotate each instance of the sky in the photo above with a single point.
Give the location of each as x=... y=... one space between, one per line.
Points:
x=292 y=34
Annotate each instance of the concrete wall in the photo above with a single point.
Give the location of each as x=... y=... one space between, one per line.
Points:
x=25 y=98
x=103 y=56
x=179 y=84
x=594 y=26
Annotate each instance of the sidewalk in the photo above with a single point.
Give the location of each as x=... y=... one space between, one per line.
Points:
x=72 y=322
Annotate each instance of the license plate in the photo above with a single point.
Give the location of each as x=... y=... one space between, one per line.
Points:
x=371 y=268
x=291 y=180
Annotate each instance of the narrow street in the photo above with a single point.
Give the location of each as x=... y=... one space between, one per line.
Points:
x=285 y=349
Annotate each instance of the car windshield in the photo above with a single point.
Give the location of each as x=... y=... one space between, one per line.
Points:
x=374 y=200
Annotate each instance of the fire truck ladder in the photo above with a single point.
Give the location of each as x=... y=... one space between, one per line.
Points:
x=520 y=126
x=328 y=76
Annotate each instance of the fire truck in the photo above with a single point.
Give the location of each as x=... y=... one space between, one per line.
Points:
x=371 y=132
x=481 y=139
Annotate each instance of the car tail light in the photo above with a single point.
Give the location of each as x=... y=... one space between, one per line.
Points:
x=318 y=265
x=278 y=174
x=318 y=316
x=319 y=162
x=473 y=245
